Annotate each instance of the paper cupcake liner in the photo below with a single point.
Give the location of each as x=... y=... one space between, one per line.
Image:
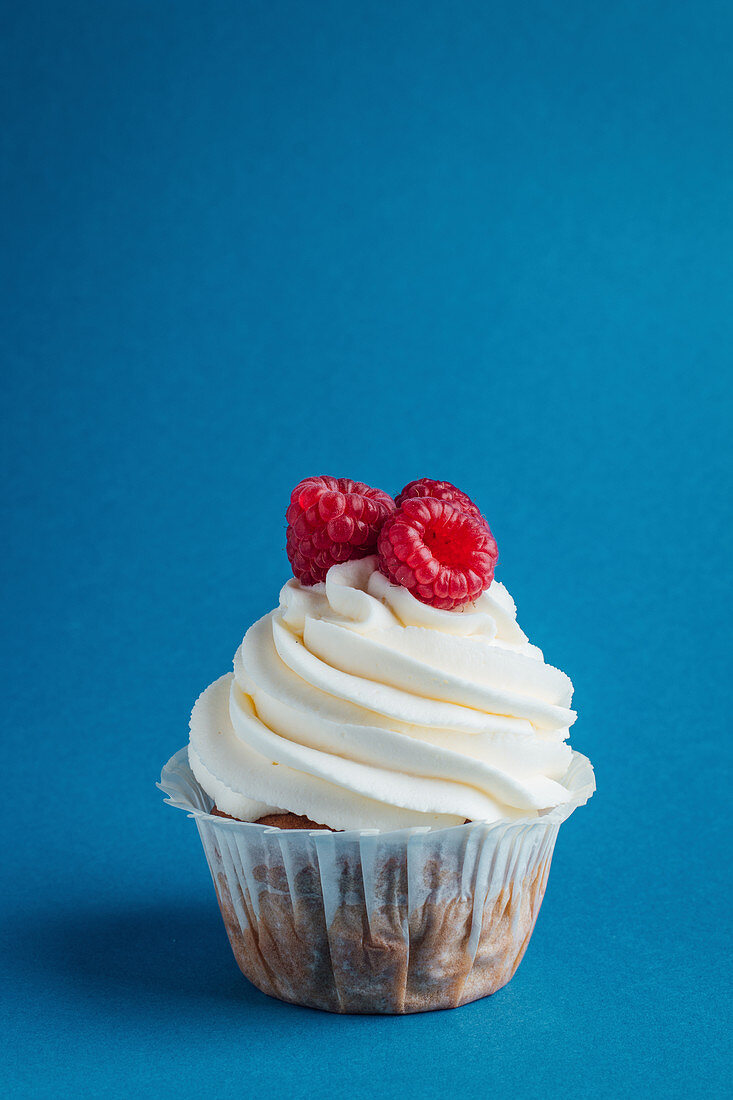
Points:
x=377 y=922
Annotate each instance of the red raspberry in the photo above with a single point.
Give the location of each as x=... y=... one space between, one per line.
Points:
x=330 y=520
x=443 y=490
x=444 y=556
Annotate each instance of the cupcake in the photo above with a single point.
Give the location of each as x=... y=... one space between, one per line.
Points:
x=379 y=783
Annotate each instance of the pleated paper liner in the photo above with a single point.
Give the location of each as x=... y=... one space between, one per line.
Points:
x=377 y=922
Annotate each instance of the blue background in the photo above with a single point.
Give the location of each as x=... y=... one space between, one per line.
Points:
x=247 y=242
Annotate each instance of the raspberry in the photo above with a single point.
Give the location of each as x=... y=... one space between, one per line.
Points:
x=443 y=555
x=330 y=520
x=443 y=490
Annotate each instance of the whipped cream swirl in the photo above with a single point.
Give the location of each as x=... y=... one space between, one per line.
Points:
x=360 y=707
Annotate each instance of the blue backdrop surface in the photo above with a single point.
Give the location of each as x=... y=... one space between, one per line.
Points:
x=246 y=242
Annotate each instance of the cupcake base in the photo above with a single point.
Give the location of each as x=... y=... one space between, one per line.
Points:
x=379 y=962
x=367 y=922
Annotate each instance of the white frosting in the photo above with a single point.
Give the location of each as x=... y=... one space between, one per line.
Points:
x=360 y=707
